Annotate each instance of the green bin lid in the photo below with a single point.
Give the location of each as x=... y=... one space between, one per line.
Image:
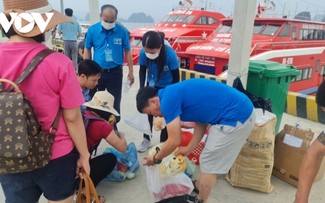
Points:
x=271 y=69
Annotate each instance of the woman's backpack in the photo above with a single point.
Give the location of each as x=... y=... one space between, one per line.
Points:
x=24 y=145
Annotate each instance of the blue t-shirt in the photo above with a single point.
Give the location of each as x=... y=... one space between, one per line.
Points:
x=166 y=77
x=109 y=45
x=87 y=98
x=70 y=30
x=204 y=101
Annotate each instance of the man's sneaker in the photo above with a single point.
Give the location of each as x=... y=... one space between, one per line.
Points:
x=144 y=145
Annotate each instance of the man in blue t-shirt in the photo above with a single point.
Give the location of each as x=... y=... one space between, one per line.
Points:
x=110 y=41
x=205 y=102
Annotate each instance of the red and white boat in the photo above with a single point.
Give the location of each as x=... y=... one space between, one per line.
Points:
x=287 y=41
x=182 y=28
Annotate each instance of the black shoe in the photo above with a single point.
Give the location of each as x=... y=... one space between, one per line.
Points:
x=193 y=199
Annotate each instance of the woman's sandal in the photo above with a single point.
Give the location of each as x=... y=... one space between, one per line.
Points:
x=196 y=190
x=101 y=199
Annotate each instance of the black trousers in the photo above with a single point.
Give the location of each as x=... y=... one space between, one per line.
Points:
x=163 y=133
x=101 y=166
x=111 y=80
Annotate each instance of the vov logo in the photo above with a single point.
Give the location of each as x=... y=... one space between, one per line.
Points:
x=31 y=18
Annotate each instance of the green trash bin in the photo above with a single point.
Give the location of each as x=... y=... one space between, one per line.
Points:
x=271 y=80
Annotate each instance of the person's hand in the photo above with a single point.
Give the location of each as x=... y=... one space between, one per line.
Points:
x=83 y=165
x=149 y=161
x=182 y=151
x=131 y=78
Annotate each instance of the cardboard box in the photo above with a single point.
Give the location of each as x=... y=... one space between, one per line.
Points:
x=290 y=147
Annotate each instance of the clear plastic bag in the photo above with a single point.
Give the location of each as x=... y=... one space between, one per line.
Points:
x=166 y=187
x=140 y=122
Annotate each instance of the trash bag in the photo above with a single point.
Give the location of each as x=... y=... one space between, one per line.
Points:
x=166 y=187
x=127 y=163
x=258 y=102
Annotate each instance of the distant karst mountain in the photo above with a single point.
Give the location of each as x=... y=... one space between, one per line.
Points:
x=140 y=18
x=134 y=18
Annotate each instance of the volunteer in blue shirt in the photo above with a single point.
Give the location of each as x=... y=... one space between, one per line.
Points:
x=70 y=32
x=110 y=41
x=159 y=66
x=205 y=102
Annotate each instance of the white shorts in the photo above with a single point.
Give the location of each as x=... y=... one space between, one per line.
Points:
x=223 y=145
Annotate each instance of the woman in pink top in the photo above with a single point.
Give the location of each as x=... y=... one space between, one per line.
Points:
x=52 y=85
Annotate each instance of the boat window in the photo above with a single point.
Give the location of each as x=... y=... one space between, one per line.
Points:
x=303 y=34
x=320 y=34
x=310 y=72
x=180 y=18
x=270 y=30
x=315 y=34
x=205 y=20
x=202 y=21
x=211 y=21
x=188 y=19
x=322 y=71
x=310 y=34
x=171 y=18
x=298 y=77
x=317 y=65
x=294 y=33
x=223 y=29
x=285 y=32
x=257 y=28
x=305 y=73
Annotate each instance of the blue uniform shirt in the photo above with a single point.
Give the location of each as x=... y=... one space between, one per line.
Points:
x=204 y=101
x=108 y=42
x=166 y=77
x=87 y=98
x=70 y=30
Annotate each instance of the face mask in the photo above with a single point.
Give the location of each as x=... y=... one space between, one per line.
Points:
x=152 y=56
x=108 y=26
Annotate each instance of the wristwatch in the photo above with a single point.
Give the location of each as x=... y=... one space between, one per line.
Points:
x=156 y=161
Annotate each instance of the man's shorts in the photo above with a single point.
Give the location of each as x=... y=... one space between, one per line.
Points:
x=223 y=145
x=56 y=180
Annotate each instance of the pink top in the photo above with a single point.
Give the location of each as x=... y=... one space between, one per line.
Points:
x=52 y=84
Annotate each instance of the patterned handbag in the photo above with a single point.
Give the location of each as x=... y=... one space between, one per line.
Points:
x=24 y=146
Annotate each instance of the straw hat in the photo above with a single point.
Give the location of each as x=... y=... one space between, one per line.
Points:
x=34 y=6
x=104 y=101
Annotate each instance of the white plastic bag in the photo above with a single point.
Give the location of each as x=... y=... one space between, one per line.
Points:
x=139 y=122
x=166 y=187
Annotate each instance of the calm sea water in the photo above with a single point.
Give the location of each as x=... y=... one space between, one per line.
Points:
x=131 y=26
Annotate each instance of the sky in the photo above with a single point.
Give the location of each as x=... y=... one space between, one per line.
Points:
x=159 y=8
